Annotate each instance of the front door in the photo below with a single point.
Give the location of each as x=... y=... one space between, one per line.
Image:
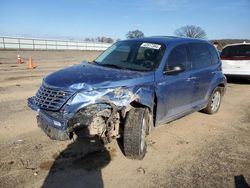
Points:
x=174 y=91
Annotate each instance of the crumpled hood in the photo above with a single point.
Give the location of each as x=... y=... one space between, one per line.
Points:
x=97 y=77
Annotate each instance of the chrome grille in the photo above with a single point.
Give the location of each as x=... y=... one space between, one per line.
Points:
x=50 y=98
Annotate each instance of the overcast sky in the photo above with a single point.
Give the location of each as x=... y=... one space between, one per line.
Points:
x=114 y=18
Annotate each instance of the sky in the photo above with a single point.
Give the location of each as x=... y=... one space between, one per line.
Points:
x=79 y=19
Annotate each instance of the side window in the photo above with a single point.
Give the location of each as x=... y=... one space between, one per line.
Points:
x=200 y=55
x=178 y=56
x=214 y=54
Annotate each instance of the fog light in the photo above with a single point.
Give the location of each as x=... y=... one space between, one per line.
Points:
x=57 y=123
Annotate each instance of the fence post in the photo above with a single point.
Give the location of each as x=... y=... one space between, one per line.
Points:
x=3 y=43
x=33 y=44
x=19 y=48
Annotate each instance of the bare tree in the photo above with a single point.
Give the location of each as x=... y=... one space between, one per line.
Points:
x=100 y=39
x=104 y=39
x=109 y=40
x=135 y=34
x=89 y=39
x=191 y=31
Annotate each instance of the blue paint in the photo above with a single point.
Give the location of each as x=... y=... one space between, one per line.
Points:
x=176 y=94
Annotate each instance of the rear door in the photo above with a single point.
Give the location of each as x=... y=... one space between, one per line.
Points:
x=202 y=72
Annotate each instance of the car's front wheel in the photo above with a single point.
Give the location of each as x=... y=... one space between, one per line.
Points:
x=135 y=130
x=214 y=102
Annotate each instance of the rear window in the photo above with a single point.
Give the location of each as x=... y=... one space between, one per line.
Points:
x=214 y=54
x=236 y=52
x=200 y=55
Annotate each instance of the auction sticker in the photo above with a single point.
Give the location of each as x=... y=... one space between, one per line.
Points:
x=151 y=45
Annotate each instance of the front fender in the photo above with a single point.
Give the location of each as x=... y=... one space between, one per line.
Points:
x=120 y=97
x=146 y=96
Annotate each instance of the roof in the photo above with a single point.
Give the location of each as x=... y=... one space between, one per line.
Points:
x=236 y=44
x=168 y=39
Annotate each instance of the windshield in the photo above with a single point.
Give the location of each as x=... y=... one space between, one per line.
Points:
x=239 y=51
x=133 y=55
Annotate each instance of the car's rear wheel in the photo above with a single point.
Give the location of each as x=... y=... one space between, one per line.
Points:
x=214 y=102
x=135 y=130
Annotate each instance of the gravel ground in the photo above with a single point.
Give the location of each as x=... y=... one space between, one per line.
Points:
x=198 y=150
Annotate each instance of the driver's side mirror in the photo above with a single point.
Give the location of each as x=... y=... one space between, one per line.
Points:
x=174 y=69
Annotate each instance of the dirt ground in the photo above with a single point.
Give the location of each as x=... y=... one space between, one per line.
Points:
x=198 y=150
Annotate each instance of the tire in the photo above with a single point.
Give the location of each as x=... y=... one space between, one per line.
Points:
x=135 y=130
x=214 y=102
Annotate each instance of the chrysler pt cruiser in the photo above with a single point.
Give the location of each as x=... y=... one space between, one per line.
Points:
x=131 y=88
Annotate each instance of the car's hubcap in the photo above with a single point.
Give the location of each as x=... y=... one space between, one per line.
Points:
x=143 y=134
x=215 y=101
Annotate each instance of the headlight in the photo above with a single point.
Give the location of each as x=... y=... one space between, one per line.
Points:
x=81 y=86
x=118 y=96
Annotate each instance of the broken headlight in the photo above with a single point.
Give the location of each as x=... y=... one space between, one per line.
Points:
x=118 y=96
x=81 y=86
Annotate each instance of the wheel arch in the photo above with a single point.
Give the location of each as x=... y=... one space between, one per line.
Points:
x=152 y=107
x=222 y=86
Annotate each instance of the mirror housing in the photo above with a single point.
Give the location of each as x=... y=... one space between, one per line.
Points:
x=174 y=70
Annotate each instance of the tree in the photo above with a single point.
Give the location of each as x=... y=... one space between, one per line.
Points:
x=100 y=39
x=135 y=34
x=109 y=40
x=89 y=39
x=191 y=31
x=104 y=39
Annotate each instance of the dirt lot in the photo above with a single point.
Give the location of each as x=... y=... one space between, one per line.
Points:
x=198 y=150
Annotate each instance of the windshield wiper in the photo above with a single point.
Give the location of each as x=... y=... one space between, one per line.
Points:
x=95 y=62
x=118 y=67
x=112 y=66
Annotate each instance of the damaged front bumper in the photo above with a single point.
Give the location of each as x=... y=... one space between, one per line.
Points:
x=59 y=127
x=96 y=110
x=55 y=133
x=54 y=126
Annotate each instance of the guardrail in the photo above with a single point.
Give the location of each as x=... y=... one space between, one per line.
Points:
x=15 y=43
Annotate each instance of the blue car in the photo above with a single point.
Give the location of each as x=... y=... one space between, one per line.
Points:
x=132 y=87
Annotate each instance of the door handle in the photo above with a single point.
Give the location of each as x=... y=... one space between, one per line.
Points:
x=191 y=78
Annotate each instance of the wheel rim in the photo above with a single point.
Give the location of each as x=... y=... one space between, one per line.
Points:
x=215 y=101
x=143 y=134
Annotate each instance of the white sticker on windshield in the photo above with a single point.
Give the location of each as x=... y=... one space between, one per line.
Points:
x=151 y=45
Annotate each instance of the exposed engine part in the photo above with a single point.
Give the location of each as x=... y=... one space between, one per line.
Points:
x=106 y=125
x=97 y=126
x=102 y=120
